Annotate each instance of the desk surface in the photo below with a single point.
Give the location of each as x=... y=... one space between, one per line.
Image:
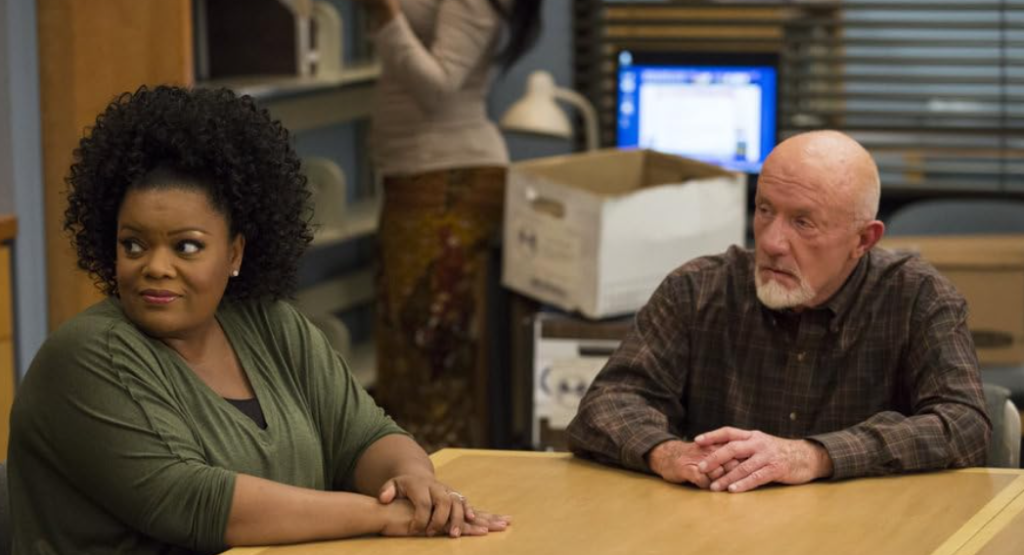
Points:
x=560 y=504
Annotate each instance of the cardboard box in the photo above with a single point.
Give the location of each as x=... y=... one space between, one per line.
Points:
x=567 y=355
x=988 y=270
x=597 y=232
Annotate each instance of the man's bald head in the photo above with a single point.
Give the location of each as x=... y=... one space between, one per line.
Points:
x=816 y=202
x=845 y=172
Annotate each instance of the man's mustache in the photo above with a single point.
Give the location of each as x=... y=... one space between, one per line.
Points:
x=795 y=272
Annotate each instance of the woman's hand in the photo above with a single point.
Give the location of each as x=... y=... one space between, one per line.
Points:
x=435 y=508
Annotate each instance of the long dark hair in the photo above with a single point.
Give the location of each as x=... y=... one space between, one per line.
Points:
x=523 y=20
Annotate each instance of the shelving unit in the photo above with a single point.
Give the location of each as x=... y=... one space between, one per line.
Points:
x=306 y=104
x=362 y=359
x=360 y=221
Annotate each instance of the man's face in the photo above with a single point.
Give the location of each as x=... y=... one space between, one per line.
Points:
x=805 y=238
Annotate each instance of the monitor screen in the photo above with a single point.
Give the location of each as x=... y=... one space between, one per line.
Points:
x=718 y=108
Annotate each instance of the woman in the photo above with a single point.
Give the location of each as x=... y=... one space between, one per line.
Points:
x=443 y=166
x=192 y=410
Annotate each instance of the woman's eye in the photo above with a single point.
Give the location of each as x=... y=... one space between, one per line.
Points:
x=189 y=247
x=131 y=246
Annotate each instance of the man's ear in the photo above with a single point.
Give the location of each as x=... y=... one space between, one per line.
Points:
x=868 y=237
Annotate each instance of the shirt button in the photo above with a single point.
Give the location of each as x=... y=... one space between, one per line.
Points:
x=800 y=356
x=792 y=416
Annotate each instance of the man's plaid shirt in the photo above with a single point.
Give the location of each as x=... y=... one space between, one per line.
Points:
x=884 y=375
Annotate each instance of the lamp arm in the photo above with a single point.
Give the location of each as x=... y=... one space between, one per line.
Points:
x=586 y=109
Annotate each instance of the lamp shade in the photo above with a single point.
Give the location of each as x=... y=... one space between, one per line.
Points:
x=536 y=111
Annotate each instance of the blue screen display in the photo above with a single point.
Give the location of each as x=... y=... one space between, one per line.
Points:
x=723 y=114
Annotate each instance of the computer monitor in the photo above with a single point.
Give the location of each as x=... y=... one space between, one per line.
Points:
x=718 y=108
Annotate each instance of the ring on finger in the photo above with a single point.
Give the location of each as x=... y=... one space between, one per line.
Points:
x=457 y=495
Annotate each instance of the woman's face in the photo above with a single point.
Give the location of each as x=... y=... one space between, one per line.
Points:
x=174 y=260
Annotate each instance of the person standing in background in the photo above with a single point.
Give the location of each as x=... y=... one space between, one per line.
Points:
x=443 y=166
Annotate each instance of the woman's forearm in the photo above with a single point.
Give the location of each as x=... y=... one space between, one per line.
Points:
x=265 y=512
x=388 y=457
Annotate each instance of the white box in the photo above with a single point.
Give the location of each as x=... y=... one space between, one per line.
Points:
x=597 y=232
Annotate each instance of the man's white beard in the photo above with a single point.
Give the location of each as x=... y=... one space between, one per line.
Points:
x=776 y=296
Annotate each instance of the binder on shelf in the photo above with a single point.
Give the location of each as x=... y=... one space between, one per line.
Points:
x=299 y=38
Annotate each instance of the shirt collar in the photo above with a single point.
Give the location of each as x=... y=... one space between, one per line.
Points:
x=839 y=304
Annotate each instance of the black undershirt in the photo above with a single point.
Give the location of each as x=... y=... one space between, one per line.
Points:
x=252 y=409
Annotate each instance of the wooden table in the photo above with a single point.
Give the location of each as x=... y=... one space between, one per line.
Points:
x=564 y=505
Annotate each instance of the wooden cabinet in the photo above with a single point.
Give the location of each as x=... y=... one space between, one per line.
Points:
x=89 y=52
x=8 y=229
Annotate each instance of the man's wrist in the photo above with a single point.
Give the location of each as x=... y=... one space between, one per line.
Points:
x=821 y=461
x=661 y=455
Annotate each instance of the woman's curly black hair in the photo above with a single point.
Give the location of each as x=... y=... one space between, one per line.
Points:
x=229 y=148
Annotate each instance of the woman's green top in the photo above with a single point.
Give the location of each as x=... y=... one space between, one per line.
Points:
x=118 y=447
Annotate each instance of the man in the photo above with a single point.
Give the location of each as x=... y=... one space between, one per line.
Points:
x=813 y=356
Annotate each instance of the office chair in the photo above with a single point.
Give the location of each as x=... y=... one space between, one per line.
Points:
x=973 y=217
x=958 y=217
x=1004 y=450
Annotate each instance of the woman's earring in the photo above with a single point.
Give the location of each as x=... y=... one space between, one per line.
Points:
x=234 y=273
